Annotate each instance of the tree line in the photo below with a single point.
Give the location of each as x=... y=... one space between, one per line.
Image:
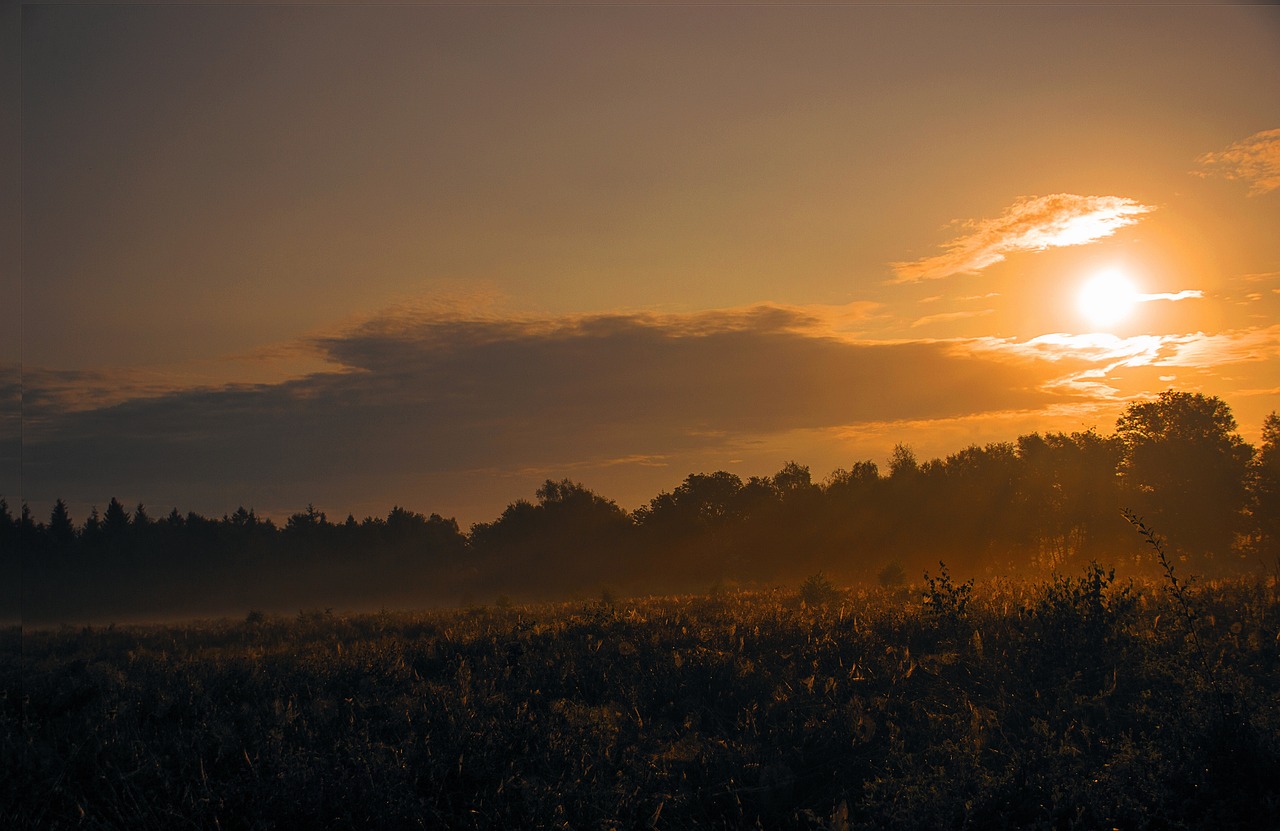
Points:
x=1043 y=502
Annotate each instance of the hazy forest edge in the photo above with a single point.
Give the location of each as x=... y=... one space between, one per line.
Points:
x=1041 y=504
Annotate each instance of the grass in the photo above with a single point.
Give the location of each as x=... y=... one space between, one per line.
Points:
x=1076 y=703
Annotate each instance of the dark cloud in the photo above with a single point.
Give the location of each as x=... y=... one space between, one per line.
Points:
x=416 y=397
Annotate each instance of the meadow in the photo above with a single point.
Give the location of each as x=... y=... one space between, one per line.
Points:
x=1077 y=702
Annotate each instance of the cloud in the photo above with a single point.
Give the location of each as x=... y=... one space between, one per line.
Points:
x=947 y=316
x=48 y=391
x=1094 y=357
x=1255 y=160
x=1032 y=223
x=1186 y=294
x=450 y=400
x=1188 y=350
x=1230 y=347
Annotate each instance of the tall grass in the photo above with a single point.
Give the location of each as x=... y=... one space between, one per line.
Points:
x=1059 y=705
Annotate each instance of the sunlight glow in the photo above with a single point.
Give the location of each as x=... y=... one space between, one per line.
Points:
x=1108 y=298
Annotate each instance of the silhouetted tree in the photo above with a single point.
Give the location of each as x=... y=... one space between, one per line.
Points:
x=791 y=534
x=8 y=528
x=517 y=519
x=306 y=522
x=572 y=538
x=757 y=498
x=1069 y=500
x=977 y=493
x=861 y=478
x=307 y=534
x=688 y=532
x=1185 y=469
x=62 y=532
x=115 y=522
x=242 y=518
x=852 y=521
x=91 y=531
x=30 y=535
x=1264 y=503
x=10 y=561
x=903 y=462
x=701 y=500
x=413 y=537
x=793 y=479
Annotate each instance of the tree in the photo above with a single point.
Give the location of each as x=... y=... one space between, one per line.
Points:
x=307 y=524
x=571 y=538
x=8 y=528
x=29 y=532
x=1185 y=468
x=793 y=479
x=1068 y=500
x=115 y=522
x=1264 y=502
x=243 y=518
x=903 y=462
x=61 y=530
x=702 y=499
x=91 y=531
x=973 y=503
x=862 y=476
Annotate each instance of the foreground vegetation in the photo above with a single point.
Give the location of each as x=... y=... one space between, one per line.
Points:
x=1082 y=702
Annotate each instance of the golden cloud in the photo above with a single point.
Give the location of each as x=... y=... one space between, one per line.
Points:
x=1189 y=350
x=943 y=317
x=1102 y=354
x=1032 y=223
x=1255 y=160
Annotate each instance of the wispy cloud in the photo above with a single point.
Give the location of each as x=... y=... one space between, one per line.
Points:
x=1185 y=294
x=1033 y=223
x=1255 y=160
x=1187 y=350
x=1235 y=346
x=1089 y=359
x=948 y=316
x=1093 y=348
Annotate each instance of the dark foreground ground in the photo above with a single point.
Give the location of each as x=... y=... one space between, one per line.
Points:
x=1080 y=703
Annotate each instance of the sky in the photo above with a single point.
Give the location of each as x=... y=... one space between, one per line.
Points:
x=430 y=256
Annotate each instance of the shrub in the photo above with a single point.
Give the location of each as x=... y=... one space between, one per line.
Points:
x=1084 y=608
x=1080 y=625
x=945 y=600
x=892 y=575
x=817 y=590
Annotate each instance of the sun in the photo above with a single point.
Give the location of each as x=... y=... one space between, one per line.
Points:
x=1107 y=298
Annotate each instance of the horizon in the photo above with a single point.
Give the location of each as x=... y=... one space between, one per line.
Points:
x=336 y=515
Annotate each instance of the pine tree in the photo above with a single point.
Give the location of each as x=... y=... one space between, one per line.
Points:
x=62 y=532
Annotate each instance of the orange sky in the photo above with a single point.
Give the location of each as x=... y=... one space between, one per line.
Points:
x=431 y=256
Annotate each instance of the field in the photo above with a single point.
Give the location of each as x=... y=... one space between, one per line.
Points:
x=1079 y=702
